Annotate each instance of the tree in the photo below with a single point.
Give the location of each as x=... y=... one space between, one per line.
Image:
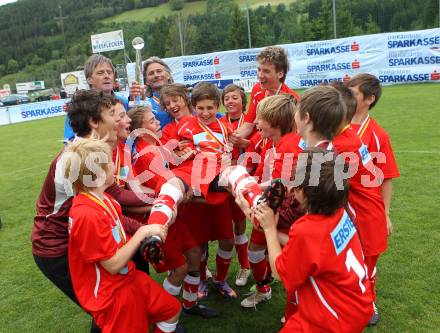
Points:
x=371 y=27
x=12 y=66
x=176 y=5
x=237 y=31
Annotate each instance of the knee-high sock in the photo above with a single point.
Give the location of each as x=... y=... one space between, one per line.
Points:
x=223 y=261
x=258 y=263
x=163 y=207
x=171 y=288
x=241 y=246
x=190 y=288
x=203 y=265
x=239 y=179
x=164 y=327
x=370 y=262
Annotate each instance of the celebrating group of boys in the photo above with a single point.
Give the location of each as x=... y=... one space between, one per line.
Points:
x=157 y=183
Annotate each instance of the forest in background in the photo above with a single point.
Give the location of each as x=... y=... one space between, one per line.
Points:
x=32 y=46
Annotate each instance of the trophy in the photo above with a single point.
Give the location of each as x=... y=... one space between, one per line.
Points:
x=138 y=45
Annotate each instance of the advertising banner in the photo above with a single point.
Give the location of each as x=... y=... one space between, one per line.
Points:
x=108 y=41
x=73 y=81
x=4 y=116
x=404 y=57
x=32 y=111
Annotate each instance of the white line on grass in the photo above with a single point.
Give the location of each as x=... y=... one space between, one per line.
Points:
x=417 y=152
x=12 y=173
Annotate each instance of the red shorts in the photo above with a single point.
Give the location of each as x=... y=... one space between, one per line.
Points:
x=259 y=238
x=220 y=225
x=178 y=241
x=236 y=212
x=207 y=222
x=136 y=305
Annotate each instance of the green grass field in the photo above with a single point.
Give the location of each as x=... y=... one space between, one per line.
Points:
x=190 y=8
x=408 y=275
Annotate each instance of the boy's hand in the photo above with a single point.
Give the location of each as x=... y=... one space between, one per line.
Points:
x=154 y=230
x=136 y=90
x=265 y=215
x=390 y=227
x=243 y=204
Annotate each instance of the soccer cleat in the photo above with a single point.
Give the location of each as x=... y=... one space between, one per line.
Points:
x=201 y=310
x=202 y=293
x=274 y=194
x=256 y=298
x=269 y=280
x=375 y=318
x=224 y=289
x=242 y=277
x=151 y=250
x=180 y=328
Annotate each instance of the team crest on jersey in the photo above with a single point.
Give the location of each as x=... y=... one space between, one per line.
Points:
x=343 y=233
x=116 y=234
x=365 y=154
x=123 y=172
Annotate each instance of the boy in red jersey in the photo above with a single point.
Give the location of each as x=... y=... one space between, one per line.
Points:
x=322 y=262
x=234 y=99
x=91 y=113
x=106 y=282
x=208 y=138
x=275 y=118
x=175 y=100
x=181 y=253
x=367 y=91
x=364 y=195
x=272 y=68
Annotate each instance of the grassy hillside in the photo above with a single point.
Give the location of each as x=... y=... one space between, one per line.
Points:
x=152 y=13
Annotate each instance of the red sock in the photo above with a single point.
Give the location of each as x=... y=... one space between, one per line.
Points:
x=223 y=261
x=162 y=210
x=190 y=288
x=240 y=179
x=165 y=204
x=259 y=270
x=203 y=265
x=241 y=246
x=370 y=262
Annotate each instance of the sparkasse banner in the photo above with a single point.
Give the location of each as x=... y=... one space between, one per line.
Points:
x=108 y=41
x=395 y=58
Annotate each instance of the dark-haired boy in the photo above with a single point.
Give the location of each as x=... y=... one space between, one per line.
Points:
x=367 y=91
x=91 y=113
x=323 y=269
x=365 y=197
x=272 y=68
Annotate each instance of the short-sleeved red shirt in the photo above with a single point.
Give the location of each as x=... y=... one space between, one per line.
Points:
x=364 y=194
x=95 y=234
x=257 y=95
x=323 y=264
x=377 y=140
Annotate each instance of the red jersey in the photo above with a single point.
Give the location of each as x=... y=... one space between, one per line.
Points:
x=212 y=138
x=151 y=164
x=170 y=131
x=122 y=163
x=257 y=95
x=234 y=124
x=366 y=201
x=323 y=264
x=96 y=234
x=256 y=145
x=377 y=140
